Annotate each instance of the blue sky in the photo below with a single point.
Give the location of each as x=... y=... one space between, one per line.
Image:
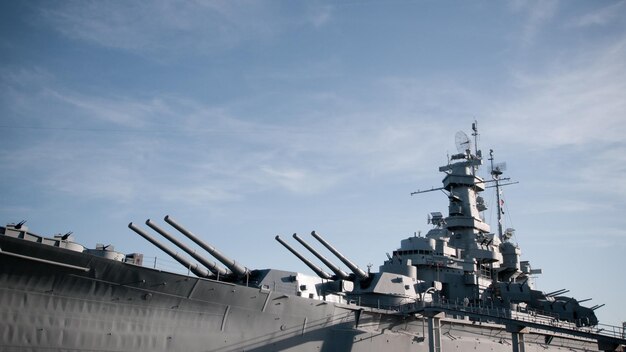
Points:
x=247 y=119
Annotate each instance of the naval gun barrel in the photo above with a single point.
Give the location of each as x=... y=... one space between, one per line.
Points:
x=194 y=268
x=360 y=274
x=335 y=269
x=212 y=266
x=557 y=292
x=235 y=267
x=321 y=273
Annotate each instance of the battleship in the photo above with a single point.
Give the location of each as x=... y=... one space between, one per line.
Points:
x=459 y=287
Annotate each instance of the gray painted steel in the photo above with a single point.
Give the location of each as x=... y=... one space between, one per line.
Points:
x=316 y=269
x=195 y=255
x=335 y=269
x=458 y=288
x=235 y=267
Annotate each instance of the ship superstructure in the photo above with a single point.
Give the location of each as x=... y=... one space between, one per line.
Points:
x=459 y=287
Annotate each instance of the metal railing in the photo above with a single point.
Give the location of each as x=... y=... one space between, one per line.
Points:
x=166 y=264
x=519 y=315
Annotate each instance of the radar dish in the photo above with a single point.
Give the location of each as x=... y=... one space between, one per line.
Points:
x=499 y=167
x=463 y=143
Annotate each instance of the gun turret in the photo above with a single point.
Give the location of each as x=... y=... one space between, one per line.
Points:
x=360 y=274
x=340 y=273
x=212 y=266
x=321 y=273
x=235 y=267
x=194 y=268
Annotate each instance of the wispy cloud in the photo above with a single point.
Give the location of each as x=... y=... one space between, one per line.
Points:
x=135 y=148
x=300 y=180
x=228 y=151
x=537 y=13
x=571 y=103
x=119 y=111
x=319 y=15
x=146 y=27
x=166 y=27
x=575 y=109
x=602 y=16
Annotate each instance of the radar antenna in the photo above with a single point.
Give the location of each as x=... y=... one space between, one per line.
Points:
x=463 y=143
x=475 y=135
x=496 y=172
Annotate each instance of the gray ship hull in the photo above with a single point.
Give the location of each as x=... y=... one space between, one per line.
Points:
x=53 y=299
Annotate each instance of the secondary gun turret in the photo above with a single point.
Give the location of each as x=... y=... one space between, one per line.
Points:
x=212 y=266
x=321 y=273
x=194 y=268
x=358 y=272
x=335 y=269
x=235 y=267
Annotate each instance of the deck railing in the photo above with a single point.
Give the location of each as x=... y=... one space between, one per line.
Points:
x=520 y=314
